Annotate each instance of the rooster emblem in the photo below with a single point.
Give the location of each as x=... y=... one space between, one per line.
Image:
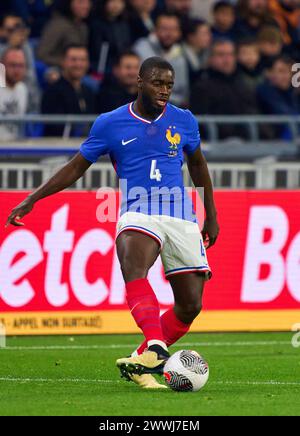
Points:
x=174 y=140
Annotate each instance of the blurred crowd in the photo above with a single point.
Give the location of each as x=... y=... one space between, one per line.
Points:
x=83 y=56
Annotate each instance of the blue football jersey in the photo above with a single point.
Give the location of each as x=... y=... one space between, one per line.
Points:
x=148 y=157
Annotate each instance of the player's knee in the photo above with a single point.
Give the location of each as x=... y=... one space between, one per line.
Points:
x=189 y=311
x=193 y=310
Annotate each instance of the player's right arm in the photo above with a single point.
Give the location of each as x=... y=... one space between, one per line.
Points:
x=62 y=179
x=93 y=147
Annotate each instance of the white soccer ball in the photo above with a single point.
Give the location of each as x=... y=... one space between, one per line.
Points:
x=186 y=370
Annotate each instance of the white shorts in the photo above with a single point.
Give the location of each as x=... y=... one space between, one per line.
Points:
x=181 y=243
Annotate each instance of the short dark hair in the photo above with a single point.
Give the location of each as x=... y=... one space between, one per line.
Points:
x=155 y=62
x=75 y=46
x=167 y=15
x=285 y=59
x=126 y=53
x=193 y=24
x=247 y=42
x=222 y=41
x=10 y=15
x=222 y=4
x=63 y=7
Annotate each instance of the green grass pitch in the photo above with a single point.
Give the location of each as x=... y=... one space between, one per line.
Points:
x=250 y=374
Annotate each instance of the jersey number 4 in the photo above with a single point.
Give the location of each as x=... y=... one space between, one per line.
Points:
x=155 y=174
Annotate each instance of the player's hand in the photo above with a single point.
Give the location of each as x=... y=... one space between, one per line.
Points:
x=19 y=212
x=210 y=232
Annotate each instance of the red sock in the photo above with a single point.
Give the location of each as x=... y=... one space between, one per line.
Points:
x=173 y=329
x=144 y=308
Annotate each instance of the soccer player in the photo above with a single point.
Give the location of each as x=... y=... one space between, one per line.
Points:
x=146 y=141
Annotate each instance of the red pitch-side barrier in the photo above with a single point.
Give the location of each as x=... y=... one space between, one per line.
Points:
x=60 y=273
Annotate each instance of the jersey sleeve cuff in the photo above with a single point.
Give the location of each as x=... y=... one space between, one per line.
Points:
x=191 y=151
x=87 y=157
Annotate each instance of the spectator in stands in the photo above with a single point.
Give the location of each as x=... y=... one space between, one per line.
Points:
x=276 y=94
x=287 y=15
x=248 y=56
x=165 y=42
x=141 y=18
x=14 y=97
x=110 y=34
x=35 y=13
x=14 y=34
x=222 y=90
x=251 y=16
x=270 y=44
x=120 y=87
x=69 y=95
x=196 y=47
x=67 y=27
x=223 y=20
x=182 y=8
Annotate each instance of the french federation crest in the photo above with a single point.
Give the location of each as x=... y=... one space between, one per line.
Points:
x=174 y=140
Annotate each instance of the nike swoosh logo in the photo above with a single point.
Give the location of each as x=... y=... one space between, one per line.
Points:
x=128 y=142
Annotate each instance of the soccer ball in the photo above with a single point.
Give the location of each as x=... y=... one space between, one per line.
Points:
x=186 y=370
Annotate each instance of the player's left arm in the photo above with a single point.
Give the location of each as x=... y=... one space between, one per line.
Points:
x=199 y=173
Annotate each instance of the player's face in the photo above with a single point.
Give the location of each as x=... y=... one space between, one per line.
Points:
x=156 y=88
